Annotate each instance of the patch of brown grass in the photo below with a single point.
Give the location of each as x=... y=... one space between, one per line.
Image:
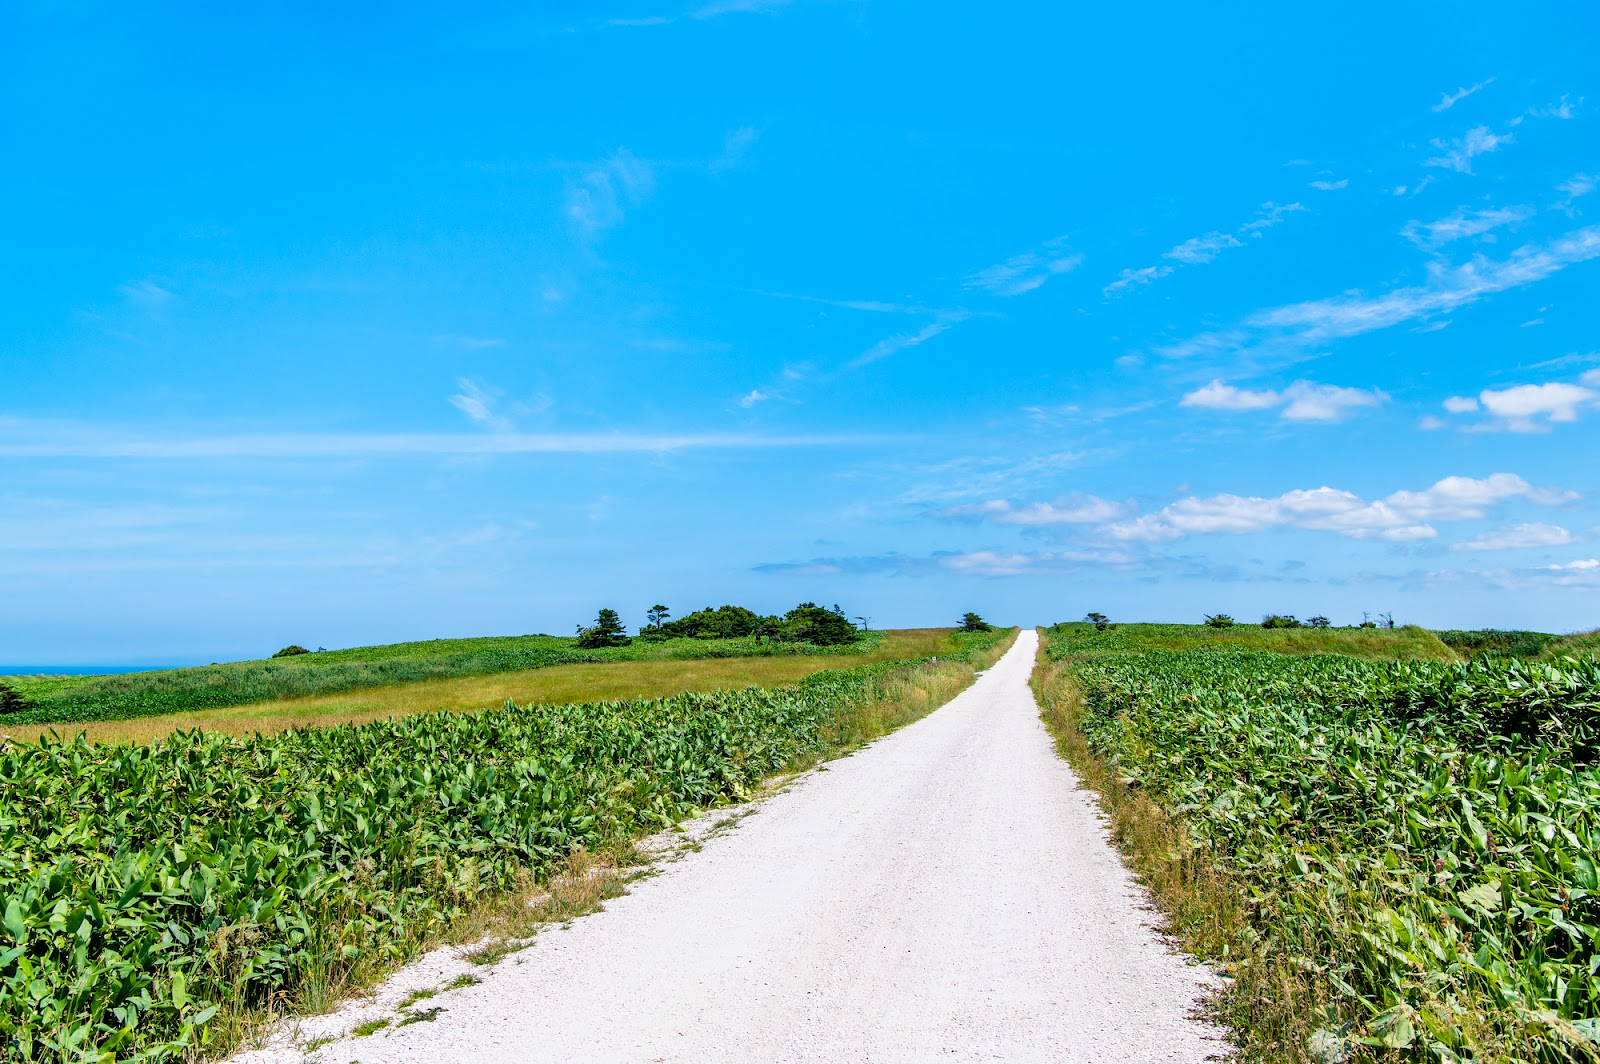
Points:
x=555 y=685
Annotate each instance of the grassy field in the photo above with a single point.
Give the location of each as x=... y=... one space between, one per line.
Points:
x=68 y=699
x=160 y=898
x=1392 y=859
x=1405 y=644
x=590 y=681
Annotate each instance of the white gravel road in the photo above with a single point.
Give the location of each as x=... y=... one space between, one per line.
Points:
x=944 y=894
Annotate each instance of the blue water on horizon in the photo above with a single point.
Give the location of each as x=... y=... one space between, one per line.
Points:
x=79 y=670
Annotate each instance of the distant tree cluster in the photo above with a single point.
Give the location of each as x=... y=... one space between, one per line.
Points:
x=971 y=622
x=1100 y=621
x=291 y=650
x=806 y=623
x=1288 y=620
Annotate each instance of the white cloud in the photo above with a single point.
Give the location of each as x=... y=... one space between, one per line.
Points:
x=88 y=442
x=1301 y=401
x=1463 y=223
x=146 y=294
x=1577 y=185
x=1461 y=404
x=900 y=342
x=1582 y=565
x=1522 y=405
x=1021 y=563
x=1591 y=378
x=732 y=7
x=734 y=147
x=1331 y=186
x=1271 y=214
x=1531 y=534
x=1203 y=249
x=1197 y=251
x=1448 y=100
x=1068 y=510
x=1459 y=153
x=1133 y=278
x=599 y=198
x=1563 y=109
x=1400 y=517
x=755 y=395
x=478 y=403
x=1027 y=271
x=1447 y=289
x=1220 y=396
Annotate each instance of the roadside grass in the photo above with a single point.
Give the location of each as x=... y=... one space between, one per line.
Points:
x=1402 y=644
x=551 y=685
x=1311 y=829
x=499 y=924
x=1271 y=1006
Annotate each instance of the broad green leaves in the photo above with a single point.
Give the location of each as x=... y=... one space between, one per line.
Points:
x=1425 y=833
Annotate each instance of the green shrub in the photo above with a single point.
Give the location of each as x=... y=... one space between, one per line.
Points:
x=292 y=650
x=1219 y=620
x=1279 y=620
x=11 y=700
x=971 y=622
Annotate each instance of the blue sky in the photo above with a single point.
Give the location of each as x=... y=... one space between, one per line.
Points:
x=352 y=325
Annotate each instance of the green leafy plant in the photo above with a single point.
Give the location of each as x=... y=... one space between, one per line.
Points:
x=1415 y=842
x=146 y=886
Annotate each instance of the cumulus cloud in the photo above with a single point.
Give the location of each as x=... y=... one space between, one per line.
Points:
x=1530 y=534
x=1463 y=223
x=1531 y=407
x=1458 y=154
x=1403 y=516
x=1301 y=401
x=1027 y=271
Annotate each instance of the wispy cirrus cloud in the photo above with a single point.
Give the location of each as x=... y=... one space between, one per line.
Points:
x=1134 y=278
x=601 y=194
x=702 y=12
x=1448 y=100
x=891 y=345
x=1030 y=270
x=1329 y=185
x=1199 y=250
x=1462 y=224
x=59 y=439
x=1301 y=401
x=1447 y=288
x=1458 y=154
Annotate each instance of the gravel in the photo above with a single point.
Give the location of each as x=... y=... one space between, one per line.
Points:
x=947 y=893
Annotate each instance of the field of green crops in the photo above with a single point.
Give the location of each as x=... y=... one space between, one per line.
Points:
x=144 y=887
x=141 y=694
x=1419 y=839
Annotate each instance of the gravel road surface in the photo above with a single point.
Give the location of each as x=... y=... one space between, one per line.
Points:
x=946 y=894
